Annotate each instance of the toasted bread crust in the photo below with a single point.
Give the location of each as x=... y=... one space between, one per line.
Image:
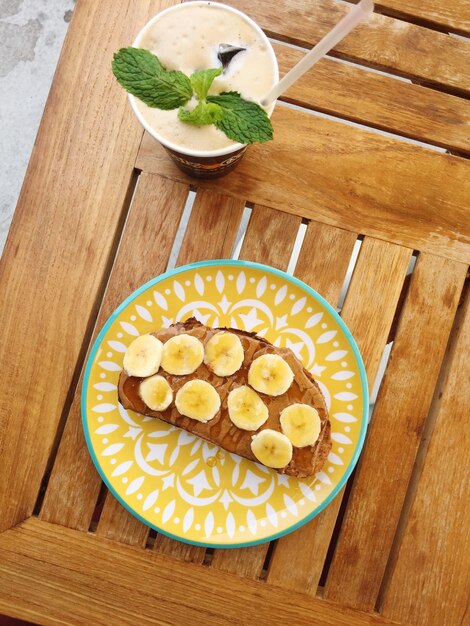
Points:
x=220 y=430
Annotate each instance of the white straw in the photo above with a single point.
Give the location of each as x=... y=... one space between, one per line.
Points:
x=359 y=13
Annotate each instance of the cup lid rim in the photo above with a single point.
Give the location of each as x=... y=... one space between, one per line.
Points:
x=133 y=99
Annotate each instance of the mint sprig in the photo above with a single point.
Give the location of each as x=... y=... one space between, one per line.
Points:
x=204 y=113
x=202 y=81
x=141 y=74
x=242 y=120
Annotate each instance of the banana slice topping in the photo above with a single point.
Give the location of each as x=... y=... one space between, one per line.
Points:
x=271 y=448
x=182 y=354
x=156 y=393
x=143 y=356
x=224 y=353
x=246 y=409
x=198 y=399
x=270 y=374
x=301 y=424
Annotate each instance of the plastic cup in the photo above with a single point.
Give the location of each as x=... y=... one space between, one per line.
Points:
x=202 y=163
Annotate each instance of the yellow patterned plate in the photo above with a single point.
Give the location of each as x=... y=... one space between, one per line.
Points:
x=183 y=486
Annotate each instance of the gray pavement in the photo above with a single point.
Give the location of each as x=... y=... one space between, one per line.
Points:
x=31 y=37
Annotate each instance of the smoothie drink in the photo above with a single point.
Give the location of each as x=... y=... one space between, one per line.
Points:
x=187 y=37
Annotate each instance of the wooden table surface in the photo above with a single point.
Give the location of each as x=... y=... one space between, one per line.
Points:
x=97 y=216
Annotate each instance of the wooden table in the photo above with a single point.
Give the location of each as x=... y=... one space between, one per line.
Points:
x=97 y=216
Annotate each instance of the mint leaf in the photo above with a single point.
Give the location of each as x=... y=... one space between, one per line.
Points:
x=202 y=80
x=141 y=74
x=243 y=121
x=204 y=113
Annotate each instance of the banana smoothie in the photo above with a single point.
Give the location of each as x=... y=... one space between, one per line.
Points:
x=197 y=36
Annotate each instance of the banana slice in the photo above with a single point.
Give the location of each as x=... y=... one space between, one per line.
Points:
x=156 y=393
x=182 y=354
x=198 y=399
x=271 y=448
x=246 y=409
x=301 y=424
x=224 y=353
x=143 y=356
x=270 y=374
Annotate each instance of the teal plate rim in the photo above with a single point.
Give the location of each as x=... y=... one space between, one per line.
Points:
x=310 y=291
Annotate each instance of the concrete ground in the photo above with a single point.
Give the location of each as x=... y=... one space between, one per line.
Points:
x=31 y=37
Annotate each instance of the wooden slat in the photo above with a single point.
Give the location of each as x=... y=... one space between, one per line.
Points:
x=383 y=102
x=453 y=14
x=383 y=42
x=179 y=550
x=54 y=575
x=321 y=169
x=269 y=239
x=324 y=259
x=246 y=562
x=74 y=484
x=368 y=311
x=61 y=239
x=118 y=524
x=394 y=434
x=212 y=227
x=210 y=234
x=430 y=583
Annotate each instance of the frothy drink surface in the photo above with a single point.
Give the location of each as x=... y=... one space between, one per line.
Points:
x=188 y=39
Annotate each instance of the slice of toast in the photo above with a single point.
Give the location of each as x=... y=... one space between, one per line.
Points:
x=220 y=430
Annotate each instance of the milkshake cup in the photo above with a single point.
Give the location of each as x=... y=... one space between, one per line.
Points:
x=187 y=37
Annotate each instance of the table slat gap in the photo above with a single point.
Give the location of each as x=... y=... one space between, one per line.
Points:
x=403 y=295
x=299 y=239
x=182 y=226
x=349 y=274
x=464 y=95
x=456 y=153
x=98 y=508
x=374 y=392
x=241 y=233
x=269 y=554
x=152 y=535
x=344 y=495
x=208 y=556
x=429 y=425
